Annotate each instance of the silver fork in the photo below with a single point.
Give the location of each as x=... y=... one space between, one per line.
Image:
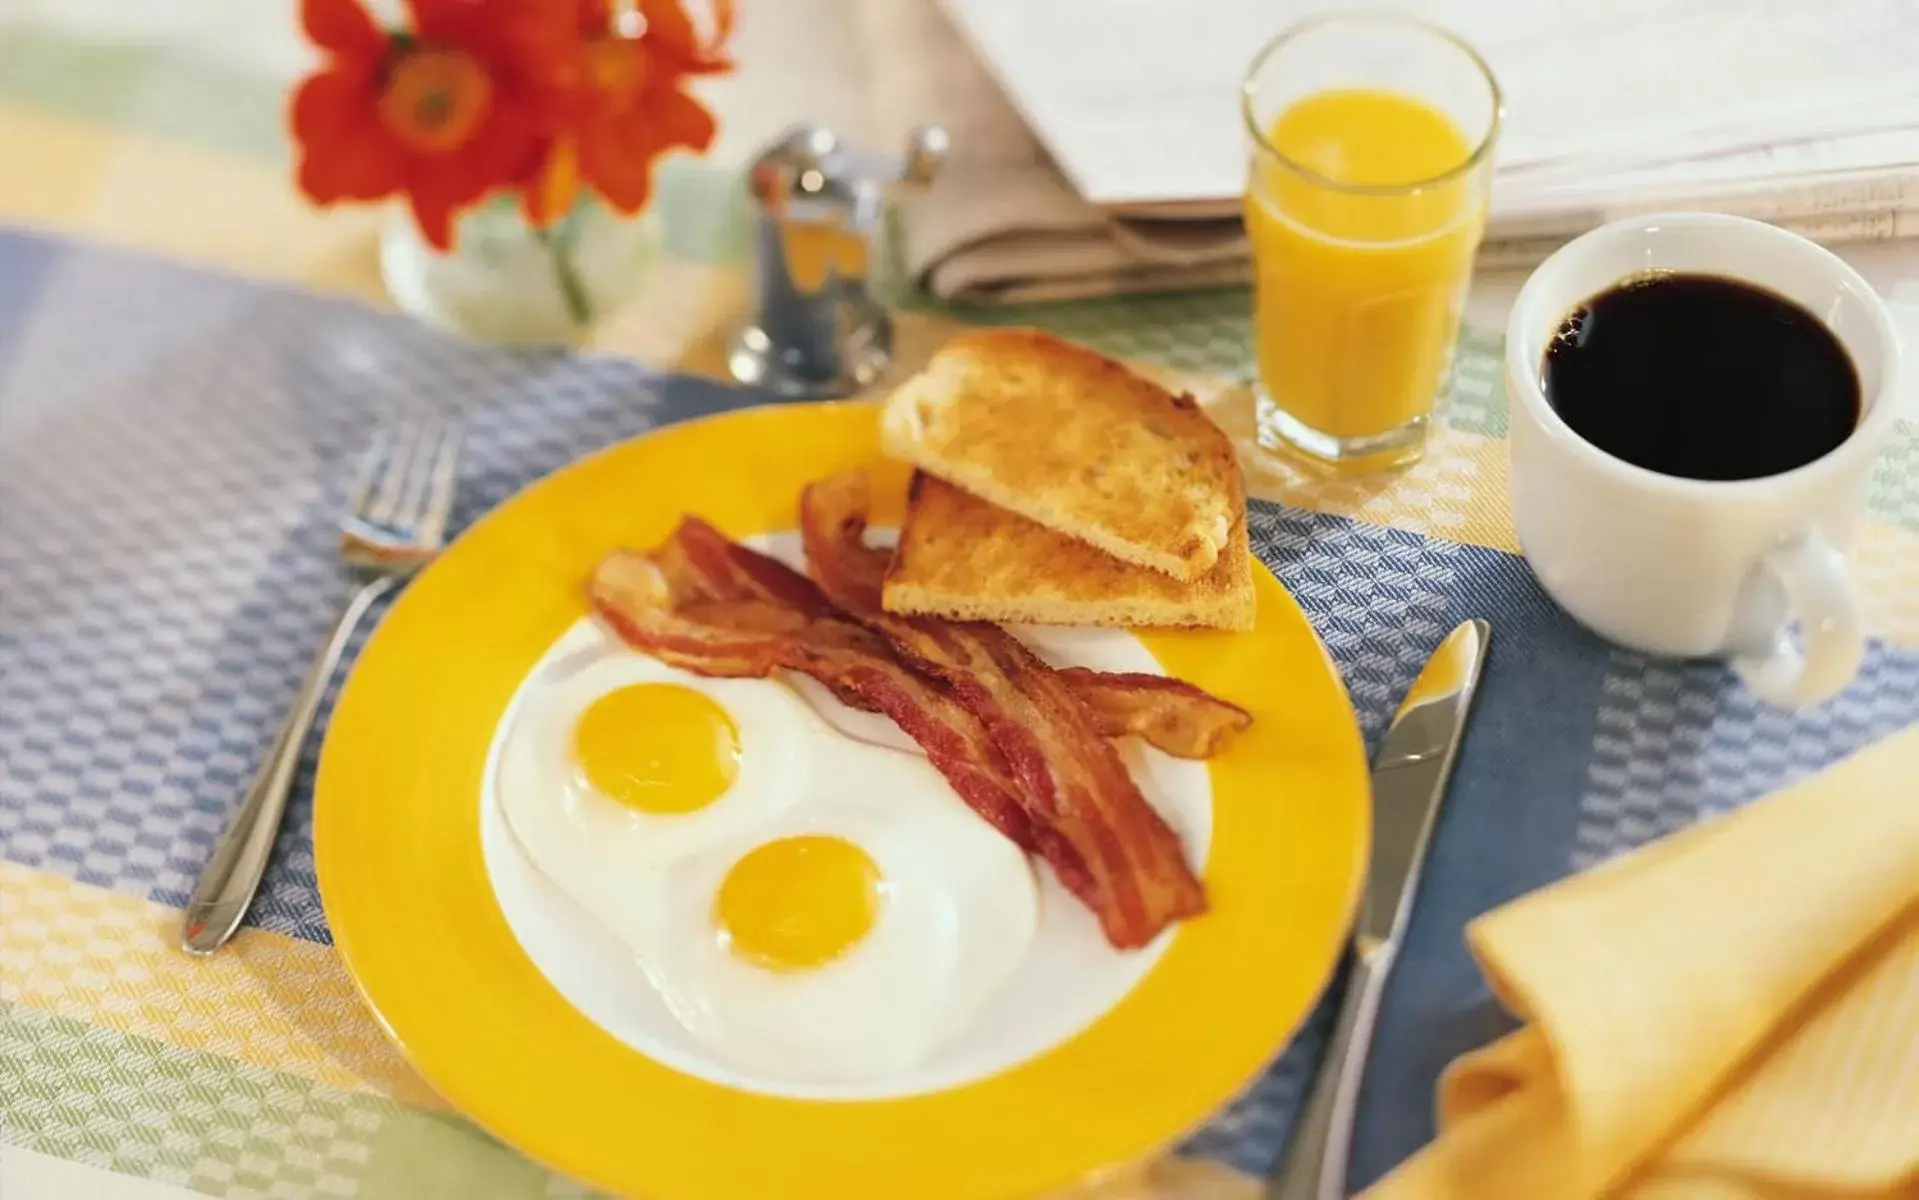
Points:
x=394 y=525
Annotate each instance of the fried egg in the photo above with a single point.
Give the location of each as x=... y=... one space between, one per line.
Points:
x=626 y=765
x=808 y=906
x=849 y=938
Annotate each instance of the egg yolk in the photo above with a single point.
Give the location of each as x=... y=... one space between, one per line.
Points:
x=798 y=903
x=657 y=747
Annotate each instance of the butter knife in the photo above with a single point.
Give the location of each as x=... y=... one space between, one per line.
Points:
x=1409 y=782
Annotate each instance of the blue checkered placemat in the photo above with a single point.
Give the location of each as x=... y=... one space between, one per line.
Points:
x=172 y=450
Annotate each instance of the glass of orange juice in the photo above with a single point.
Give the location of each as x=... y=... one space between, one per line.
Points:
x=1365 y=200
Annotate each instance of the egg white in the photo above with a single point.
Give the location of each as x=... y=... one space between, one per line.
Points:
x=959 y=910
x=960 y=903
x=610 y=856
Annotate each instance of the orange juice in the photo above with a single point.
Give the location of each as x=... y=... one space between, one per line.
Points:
x=1360 y=265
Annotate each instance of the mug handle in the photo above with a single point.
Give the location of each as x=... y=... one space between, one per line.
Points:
x=1818 y=588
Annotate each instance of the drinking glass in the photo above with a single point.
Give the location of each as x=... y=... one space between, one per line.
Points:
x=1372 y=153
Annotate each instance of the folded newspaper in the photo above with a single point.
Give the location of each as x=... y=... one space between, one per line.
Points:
x=1799 y=114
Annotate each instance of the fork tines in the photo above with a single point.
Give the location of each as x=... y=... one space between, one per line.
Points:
x=404 y=491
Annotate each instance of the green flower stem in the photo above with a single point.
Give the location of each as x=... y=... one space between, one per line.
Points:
x=566 y=272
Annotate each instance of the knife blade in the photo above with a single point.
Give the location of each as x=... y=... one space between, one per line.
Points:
x=1410 y=773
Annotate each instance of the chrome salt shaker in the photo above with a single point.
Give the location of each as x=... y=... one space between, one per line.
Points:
x=816 y=330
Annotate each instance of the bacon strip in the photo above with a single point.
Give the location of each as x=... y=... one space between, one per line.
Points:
x=1171 y=714
x=682 y=606
x=707 y=563
x=1070 y=779
x=633 y=595
x=1183 y=720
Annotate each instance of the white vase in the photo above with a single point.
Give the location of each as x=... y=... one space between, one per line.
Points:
x=505 y=281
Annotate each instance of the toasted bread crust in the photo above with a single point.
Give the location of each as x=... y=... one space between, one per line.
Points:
x=962 y=558
x=1071 y=439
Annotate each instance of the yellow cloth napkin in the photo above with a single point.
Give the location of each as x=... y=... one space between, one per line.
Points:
x=1167 y=1178
x=1729 y=1014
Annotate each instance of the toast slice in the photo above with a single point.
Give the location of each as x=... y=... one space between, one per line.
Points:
x=1071 y=439
x=964 y=559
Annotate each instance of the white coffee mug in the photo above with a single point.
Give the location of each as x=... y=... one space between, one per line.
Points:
x=1694 y=568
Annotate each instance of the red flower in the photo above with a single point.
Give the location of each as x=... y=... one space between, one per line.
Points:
x=627 y=105
x=461 y=104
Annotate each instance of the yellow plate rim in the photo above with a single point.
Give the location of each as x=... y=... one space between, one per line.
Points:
x=405 y=889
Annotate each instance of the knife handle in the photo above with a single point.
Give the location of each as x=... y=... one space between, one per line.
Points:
x=1314 y=1166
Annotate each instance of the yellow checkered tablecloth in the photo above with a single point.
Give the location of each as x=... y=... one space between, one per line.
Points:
x=127 y=1070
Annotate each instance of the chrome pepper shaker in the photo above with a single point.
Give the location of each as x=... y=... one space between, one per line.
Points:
x=816 y=331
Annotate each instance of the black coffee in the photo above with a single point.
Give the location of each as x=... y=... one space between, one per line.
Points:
x=1701 y=377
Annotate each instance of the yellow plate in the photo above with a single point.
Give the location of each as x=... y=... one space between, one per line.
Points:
x=397 y=839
